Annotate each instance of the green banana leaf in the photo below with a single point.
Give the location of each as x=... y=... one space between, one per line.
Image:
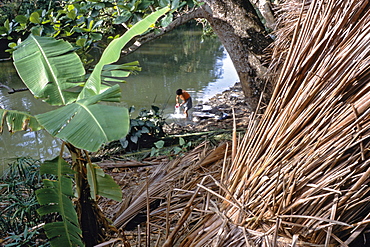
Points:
x=112 y=53
x=17 y=121
x=49 y=67
x=117 y=73
x=88 y=125
x=102 y=184
x=55 y=198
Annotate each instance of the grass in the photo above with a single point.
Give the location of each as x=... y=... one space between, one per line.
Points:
x=20 y=225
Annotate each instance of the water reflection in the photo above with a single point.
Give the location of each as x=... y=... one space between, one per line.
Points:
x=33 y=144
x=180 y=59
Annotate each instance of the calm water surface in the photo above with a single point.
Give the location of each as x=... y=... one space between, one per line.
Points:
x=180 y=59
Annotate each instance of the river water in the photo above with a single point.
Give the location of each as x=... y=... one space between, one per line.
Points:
x=180 y=59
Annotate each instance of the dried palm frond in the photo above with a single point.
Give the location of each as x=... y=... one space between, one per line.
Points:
x=300 y=175
x=304 y=171
x=175 y=179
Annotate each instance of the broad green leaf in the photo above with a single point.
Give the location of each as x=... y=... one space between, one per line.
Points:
x=21 y=19
x=117 y=73
x=131 y=66
x=177 y=150
x=71 y=14
x=96 y=36
x=144 y=4
x=58 y=237
x=175 y=4
x=3 y=30
x=81 y=42
x=159 y=144
x=17 y=121
x=181 y=141
x=112 y=53
x=167 y=20
x=36 y=30
x=70 y=7
x=102 y=184
x=97 y=24
x=7 y=25
x=134 y=138
x=125 y=16
x=46 y=65
x=164 y=3
x=54 y=198
x=88 y=125
x=35 y=18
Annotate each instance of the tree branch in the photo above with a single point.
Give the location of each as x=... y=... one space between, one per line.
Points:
x=12 y=90
x=180 y=20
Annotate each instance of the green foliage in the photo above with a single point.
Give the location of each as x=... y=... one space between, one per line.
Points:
x=17 y=121
x=157 y=149
x=55 y=198
x=81 y=22
x=19 y=218
x=11 y=9
x=112 y=53
x=182 y=147
x=81 y=122
x=50 y=74
x=102 y=184
x=117 y=73
x=147 y=123
x=160 y=149
x=29 y=237
x=88 y=125
x=51 y=77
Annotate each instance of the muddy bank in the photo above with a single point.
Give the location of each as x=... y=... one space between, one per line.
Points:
x=215 y=114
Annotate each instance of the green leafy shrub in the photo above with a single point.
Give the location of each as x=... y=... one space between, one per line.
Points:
x=148 y=126
x=19 y=217
x=160 y=149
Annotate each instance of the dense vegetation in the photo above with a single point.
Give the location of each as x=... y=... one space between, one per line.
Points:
x=20 y=224
x=81 y=122
x=79 y=22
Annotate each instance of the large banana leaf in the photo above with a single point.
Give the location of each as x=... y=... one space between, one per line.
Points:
x=55 y=198
x=86 y=124
x=17 y=121
x=48 y=67
x=102 y=184
x=112 y=53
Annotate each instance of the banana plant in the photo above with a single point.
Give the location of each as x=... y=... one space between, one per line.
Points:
x=54 y=73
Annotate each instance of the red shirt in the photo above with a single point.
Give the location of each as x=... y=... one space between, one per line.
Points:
x=184 y=96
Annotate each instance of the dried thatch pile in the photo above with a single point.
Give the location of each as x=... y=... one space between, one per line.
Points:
x=300 y=175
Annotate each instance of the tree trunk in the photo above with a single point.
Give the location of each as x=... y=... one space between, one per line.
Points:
x=243 y=35
x=94 y=225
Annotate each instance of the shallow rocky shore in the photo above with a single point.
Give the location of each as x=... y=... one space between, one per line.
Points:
x=215 y=114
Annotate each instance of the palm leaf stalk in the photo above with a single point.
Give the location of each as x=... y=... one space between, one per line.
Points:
x=301 y=173
x=304 y=169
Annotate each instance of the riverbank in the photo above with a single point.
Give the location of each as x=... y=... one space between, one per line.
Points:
x=215 y=114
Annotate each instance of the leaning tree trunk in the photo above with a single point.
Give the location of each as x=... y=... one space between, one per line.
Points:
x=243 y=35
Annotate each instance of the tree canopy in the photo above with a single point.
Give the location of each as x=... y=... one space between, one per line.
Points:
x=242 y=27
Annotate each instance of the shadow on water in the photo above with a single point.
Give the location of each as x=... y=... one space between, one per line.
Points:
x=180 y=59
